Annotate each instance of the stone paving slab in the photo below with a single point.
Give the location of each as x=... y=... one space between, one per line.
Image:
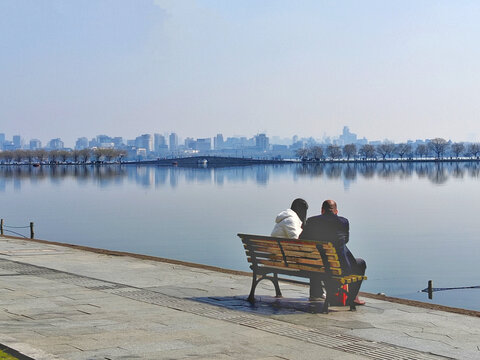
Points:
x=61 y=303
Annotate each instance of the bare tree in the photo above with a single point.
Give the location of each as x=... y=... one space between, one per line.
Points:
x=386 y=149
x=63 y=155
x=53 y=155
x=18 y=155
x=41 y=155
x=438 y=146
x=422 y=150
x=403 y=149
x=316 y=152
x=350 y=150
x=109 y=154
x=8 y=156
x=85 y=154
x=75 y=155
x=302 y=153
x=367 y=151
x=121 y=154
x=458 y=149
x=28 y=155
x=334 y=151
x=98 y=154
x=474 y=149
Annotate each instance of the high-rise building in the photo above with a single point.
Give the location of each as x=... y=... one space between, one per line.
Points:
x=190 y=143
x=218 y=142
x=261 y=142
x=204 y=144
x=347 y=137
x=105 y=142
x=56 y=144
x=117 y=141
x=144 y=141
x=173 y=141
x=17 y=141
x=35 y=144
x=159 y=143
x=81 y=143
x=2 y=140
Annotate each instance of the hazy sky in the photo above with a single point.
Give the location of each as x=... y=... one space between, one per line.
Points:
x=387 y=69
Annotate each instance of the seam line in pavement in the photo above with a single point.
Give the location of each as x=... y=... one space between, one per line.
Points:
x=322 y=337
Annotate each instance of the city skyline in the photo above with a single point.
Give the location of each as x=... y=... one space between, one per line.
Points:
x=393 y=70
x=172 y=141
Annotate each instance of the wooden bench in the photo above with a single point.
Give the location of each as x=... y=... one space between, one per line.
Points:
x=312 y=259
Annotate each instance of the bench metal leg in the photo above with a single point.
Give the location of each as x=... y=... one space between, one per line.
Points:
x=316 y=288
x=251 y=297
x=331 y=289
x=278 y=293
x=255 y=281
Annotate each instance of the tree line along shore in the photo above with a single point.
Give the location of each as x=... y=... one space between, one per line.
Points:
x=437 y=149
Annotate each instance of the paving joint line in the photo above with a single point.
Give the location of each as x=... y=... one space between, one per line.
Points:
x=337 y=341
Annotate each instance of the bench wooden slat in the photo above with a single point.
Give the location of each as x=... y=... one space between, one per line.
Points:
x=349 y=279
x=273 y=246
x=276 y=250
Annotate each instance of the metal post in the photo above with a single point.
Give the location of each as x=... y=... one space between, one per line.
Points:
x=1 y=227
x=430 y=289
x=32 y=233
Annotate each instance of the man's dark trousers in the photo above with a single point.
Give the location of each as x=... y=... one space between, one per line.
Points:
x=336 y=229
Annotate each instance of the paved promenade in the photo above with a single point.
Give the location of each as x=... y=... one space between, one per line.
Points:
x=63 y=303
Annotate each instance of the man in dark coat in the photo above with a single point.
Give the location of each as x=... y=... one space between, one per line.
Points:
x=335 y=229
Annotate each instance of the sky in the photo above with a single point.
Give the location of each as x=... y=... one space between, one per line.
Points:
x=392 y=70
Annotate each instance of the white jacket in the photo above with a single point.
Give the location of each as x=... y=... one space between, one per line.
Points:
x=288 y=225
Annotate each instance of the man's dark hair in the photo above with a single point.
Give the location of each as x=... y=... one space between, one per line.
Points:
x=329 y=206
x=300 y=207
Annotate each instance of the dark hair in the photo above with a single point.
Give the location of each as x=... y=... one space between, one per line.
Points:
x=329 y=206
x=300 y=207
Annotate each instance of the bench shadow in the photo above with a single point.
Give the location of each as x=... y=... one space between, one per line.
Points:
x=265 y=305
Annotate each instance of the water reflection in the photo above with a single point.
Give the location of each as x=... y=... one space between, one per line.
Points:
x=154 y=176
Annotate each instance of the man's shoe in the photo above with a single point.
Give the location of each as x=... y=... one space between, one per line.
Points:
x=357 y=301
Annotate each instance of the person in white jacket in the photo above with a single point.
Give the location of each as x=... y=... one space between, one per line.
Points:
x=289 y=223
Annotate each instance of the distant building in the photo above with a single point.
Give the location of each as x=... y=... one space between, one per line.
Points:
x=159 y=143
x=347 y=137
x=2 y=140
x=35 y=144
x=141 y=153
x=17 y=141
x=277 y=147
x=173 y=141
x=261 y=142
x=144 y=141
x=190 y=143
x=81 y=143
x=218 y=142
x=8 y=145
x=56 y=144
x=118 y=142
x=103 y=139
x=204 y=144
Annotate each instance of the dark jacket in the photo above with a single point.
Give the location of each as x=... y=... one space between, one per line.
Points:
x=332 y=228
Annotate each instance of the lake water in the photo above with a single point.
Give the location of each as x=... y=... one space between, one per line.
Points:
x=411 y=222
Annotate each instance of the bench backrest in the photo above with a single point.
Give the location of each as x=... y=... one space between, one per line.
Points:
x=303 y=255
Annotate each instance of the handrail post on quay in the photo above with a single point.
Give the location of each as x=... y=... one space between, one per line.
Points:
x=32 y=233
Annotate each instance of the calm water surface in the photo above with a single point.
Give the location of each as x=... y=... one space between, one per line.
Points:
x=410 y=222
